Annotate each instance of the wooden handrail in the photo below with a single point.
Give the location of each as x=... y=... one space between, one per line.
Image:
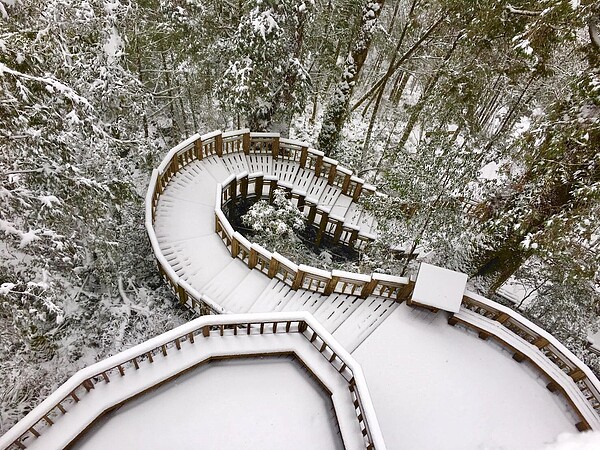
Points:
x=554 y=351
x=83 y=382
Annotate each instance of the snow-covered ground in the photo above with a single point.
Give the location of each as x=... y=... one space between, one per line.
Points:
x=440 y=387
x=268 y=403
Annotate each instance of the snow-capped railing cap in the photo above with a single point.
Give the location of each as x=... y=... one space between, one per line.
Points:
x=369 y=236
x=225 y=223
x=328 y=160
x=299 y=192
x=256 y=175
x=315 y=152
x=312 y=200
x=286 y=184
x=149 y=199
x=235 y=133
x=351 y=275
x=219 y=196
x=242 y=239
x=344 y=170
x=315 y=271
x=369 y=187
x=351 y=226
x=390 y=278
x=268 y=177
x=357 y=179
x=228 y=180
x=359 y=378
x=286 y=262
x=261 y=250
x=533 y=327
x=241 y=175
x=211 y=135
x=260 y=134
x=294 y=142
x=187 y=144
x=324 y=208
x=337 y=218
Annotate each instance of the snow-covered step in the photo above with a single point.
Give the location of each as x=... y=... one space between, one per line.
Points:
x=363 y=321
x=302 y=301
x=208 y=256
x=223 y=283
x=335 y=309
x=367 y=224
x=193 y=183
x=214 y=165
x=235 y=163
x=329 y=195
x=285 y=170
x=245 y=293
x=274 y=294
x=175 y=222
x=304 y=179
x=353 y=214
x=318 y=186
x=341 y=205
x=260 y=163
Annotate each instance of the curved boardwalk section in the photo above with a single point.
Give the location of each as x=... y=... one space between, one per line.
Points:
x=214 y=269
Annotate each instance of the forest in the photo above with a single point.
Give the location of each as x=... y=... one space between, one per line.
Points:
x=478 y=119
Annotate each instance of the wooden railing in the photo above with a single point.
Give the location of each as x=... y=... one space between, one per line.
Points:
x=218 y=144
x=554 y=352
x=277 y=266
x=145 y=355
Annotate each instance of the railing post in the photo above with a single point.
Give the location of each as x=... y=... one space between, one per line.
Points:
x=258 y=186
x=331 y=285
x=332 y=173
x=346 y=184
x=246 y=143
x=312 y=213
x=322 y=227
x=273 y=267
x=198 y=149
x=275 y=147
x=298 y=280
x=338 y=231
x=357 y=191
x=368 y=288
x=244 y=186
x=318 y=166
x=353 y=238
x=219 y=145
x=253 y=258
x=272 y=189
x=303 y=156
x=181 y=294
x=235 y=247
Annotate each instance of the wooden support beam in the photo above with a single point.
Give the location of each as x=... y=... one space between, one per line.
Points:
x=182 y=294
x=312 y=213
x=357 y=192
x=272 y=189
x=346 y=184
x=577 y=374
x=205 y=331
x=502 y=317
x=339 y=226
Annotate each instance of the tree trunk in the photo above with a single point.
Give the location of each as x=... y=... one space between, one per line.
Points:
x=337 y=109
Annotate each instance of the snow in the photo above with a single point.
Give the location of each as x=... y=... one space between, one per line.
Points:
x=578 y=441
x=253 y=403
x=467 y=393
x=439 y=288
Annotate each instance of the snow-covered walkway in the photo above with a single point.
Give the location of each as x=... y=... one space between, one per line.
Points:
x=434 y=386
